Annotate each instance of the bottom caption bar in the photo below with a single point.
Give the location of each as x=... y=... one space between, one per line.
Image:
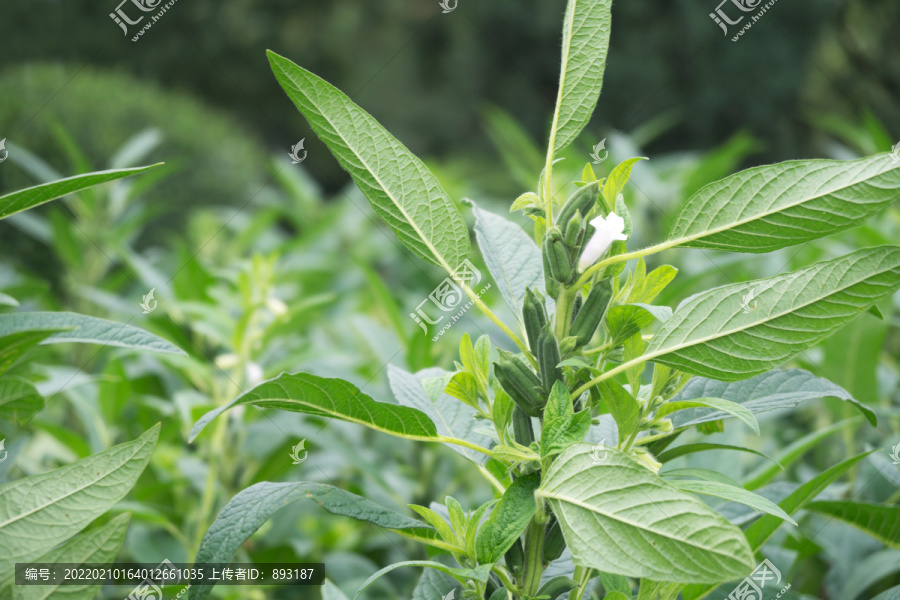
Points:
x=168 y=573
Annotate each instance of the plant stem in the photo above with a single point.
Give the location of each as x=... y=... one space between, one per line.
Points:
x=586 y=276
x=534 y=557
x=490 y=315
x=215 y=456
x=506 y=580
x=612 y=372
x=458 y=442
x=564 y=307
x=493 y=480
x=583 y=577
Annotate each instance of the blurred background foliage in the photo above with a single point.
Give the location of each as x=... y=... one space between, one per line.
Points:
x=260 y=266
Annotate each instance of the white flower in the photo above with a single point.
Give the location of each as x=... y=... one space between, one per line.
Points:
x=607 y=230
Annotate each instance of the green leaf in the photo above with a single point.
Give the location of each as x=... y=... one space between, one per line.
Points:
x=332 y=592
x=776 y=206
x=761 y=530
x=626 y=320
x=434 y=585
x=790 y=454
x=704 y=474
x=881 y=521
x=585 y=41
x=15 y=202
x=14 y=345
x=19 y=400
x=42 y=511
x=616 y=583
x=734 y=494
x=7 y=300
x=867 y=572
x=479 y=573
x=72 y=327
x=646 y=289
x=621 y=405
x=399 y=186
x=718 y=334
x=99 y=545
x=658 y=531
x=618 y=177
x=562 y=427
x=452 y=418
x=718 y=404
x=775 y=390
x=679 y=451
x=252 y=507
x=616 y=596
x=305 y=393
x=852 y=357
x=508 y=520
x=891 y=594
x=511 y=256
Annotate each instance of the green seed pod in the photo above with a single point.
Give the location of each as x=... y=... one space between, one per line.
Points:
x=582 y=201
x=574 y=232
x=520 y=382
x=576 y=307
x=550 y=284
x=561 y=268
x=554 y=542
x=523 y=433
x=548 y=358
x=556 y=587
x=534 y=315
x=592 y=312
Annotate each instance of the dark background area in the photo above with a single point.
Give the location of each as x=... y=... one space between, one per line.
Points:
x=428 y=76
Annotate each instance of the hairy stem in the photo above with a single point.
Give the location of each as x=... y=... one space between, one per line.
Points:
x=586 y=276
x=490 y=315
x=534 y=557
x=506 y=580
x=612 y=372
x=563 y=313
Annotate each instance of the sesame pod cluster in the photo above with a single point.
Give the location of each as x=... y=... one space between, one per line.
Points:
x=563 y=241
x=548 y=358
x=582 y=201
x=523 y=433
x=591 y=313
x=520 y=382
x=534 y=316
x=562 y=268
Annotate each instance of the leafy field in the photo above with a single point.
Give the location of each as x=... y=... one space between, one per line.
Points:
x=646 y=377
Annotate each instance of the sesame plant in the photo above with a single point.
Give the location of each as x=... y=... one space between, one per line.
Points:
x=31 y=527
x=571 y=409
